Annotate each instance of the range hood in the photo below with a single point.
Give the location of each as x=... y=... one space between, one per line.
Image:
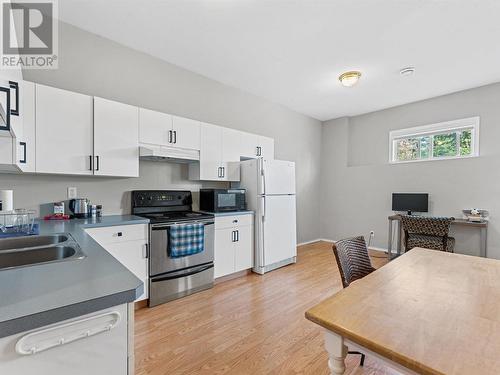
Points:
x=169 y=154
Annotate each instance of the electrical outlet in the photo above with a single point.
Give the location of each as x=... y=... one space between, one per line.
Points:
x=72 y=192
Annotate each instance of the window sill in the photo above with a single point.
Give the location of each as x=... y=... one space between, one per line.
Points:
x=433 y=159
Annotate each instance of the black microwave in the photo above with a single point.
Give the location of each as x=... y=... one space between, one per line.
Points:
x=221 y=200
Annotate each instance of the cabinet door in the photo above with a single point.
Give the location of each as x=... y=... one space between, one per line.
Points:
x=210 y=152
x=224 y=252
x=133 y=256
x=154 y=127
x=267 y=147
x=26 y=144
x=64 y=139
x=230 y=171
x=231 y=144
x=186 y=133
x=243 y=249
x=116 y=139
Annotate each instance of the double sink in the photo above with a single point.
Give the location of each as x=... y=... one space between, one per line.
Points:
x=34 y=250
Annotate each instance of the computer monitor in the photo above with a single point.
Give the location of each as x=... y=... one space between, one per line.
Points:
x=417 y=202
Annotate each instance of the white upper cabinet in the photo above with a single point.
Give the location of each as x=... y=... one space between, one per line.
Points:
x=162 y=129
x=26 y=143
x=64 y=131
x=116 y=139
x=212 y=165
x=185 y=133
x=266 y=149
x=154 y=127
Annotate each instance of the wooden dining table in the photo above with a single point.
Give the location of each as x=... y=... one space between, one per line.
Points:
x=426 y=312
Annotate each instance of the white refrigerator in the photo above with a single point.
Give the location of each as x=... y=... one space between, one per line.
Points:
x=270 y=192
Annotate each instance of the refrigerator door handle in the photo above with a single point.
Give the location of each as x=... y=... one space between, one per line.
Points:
x=263 y=208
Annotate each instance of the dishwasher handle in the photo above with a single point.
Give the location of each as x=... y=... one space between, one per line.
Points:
x=45 y=339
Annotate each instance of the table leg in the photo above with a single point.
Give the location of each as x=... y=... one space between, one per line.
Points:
x=400 y=230
x=482 y=246
x=389 y=241
x=337 y=352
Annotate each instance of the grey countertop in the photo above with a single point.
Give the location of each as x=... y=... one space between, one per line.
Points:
x=232 y=213
x=31 y=297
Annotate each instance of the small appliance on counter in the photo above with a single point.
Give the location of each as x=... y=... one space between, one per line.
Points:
x=222 y=200
x=79 y=207
x=6 y=200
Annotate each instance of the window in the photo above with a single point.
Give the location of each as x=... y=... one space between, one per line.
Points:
x=445 y=140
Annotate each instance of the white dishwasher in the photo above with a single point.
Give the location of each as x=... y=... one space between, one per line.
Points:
x=95 y=343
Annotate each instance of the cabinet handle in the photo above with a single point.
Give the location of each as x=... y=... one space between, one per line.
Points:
x=218 y=172
x=175 y=136
x=97 y=163
x=90 y=162
x=6 y=90
x=223 y=171
x=145 y=251
x=237 y=236
x=23 y=160
x=170 y=136
x=15 y=86
x=233 y=236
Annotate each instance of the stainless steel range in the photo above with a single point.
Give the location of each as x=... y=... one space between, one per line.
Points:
x=174 y=277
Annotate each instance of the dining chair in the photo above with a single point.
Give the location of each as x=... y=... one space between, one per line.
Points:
x=428 y=232
x=354 y=263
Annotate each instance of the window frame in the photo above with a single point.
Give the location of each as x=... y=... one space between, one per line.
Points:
x=431 y=130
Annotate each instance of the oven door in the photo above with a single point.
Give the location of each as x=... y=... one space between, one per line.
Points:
x=159 y=260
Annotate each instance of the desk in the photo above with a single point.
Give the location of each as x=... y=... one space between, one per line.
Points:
x=482 y=226
x=427 y=312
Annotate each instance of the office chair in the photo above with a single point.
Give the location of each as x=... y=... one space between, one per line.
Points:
x=428 y=232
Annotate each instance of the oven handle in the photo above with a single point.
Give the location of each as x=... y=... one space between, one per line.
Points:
x=163 y=226
x=183 y=273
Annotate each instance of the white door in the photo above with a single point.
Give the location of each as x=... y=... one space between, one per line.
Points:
x=186 y=133
x=224 y=252
x=278 y=177
x=133 y=255
x=116 y=139
x=243 y=249
x=64 y=136
x=266 y=145
x=230 y=171
x=231 y=144
x=279 y=228
x=26 y=150
x=155 y=127
x=210 y=152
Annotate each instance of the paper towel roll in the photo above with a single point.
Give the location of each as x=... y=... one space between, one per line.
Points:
x=7 y=200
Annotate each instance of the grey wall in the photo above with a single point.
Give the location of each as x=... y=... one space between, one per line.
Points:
x=357 y=180
x=93 y=65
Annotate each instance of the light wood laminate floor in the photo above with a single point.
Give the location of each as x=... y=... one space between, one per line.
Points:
x=250 y=325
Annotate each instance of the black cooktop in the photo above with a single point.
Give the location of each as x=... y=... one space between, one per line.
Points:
x=172 y=217
x=165 y=206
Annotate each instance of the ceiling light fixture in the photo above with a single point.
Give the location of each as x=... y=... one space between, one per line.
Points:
x=349 y=79
x=408 y=71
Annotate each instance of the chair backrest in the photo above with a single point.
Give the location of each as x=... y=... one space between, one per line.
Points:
x=432 y=226
x=352 y=258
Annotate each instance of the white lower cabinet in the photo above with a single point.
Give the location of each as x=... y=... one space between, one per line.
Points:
x=234 y=244
x=96 y=343
x=129 y=245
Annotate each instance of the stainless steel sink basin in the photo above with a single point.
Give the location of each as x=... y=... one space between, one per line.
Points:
x=31 y=241
x=36 y=250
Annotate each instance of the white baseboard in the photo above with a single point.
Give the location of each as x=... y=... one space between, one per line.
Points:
x=309 y=242
x=374 y=248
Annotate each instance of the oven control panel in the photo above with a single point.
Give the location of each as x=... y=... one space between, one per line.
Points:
x=157 y=198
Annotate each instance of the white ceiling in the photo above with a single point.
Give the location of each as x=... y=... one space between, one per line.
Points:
x=292 y=51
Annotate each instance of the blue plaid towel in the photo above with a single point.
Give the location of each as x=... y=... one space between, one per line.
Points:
x=186 y=239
